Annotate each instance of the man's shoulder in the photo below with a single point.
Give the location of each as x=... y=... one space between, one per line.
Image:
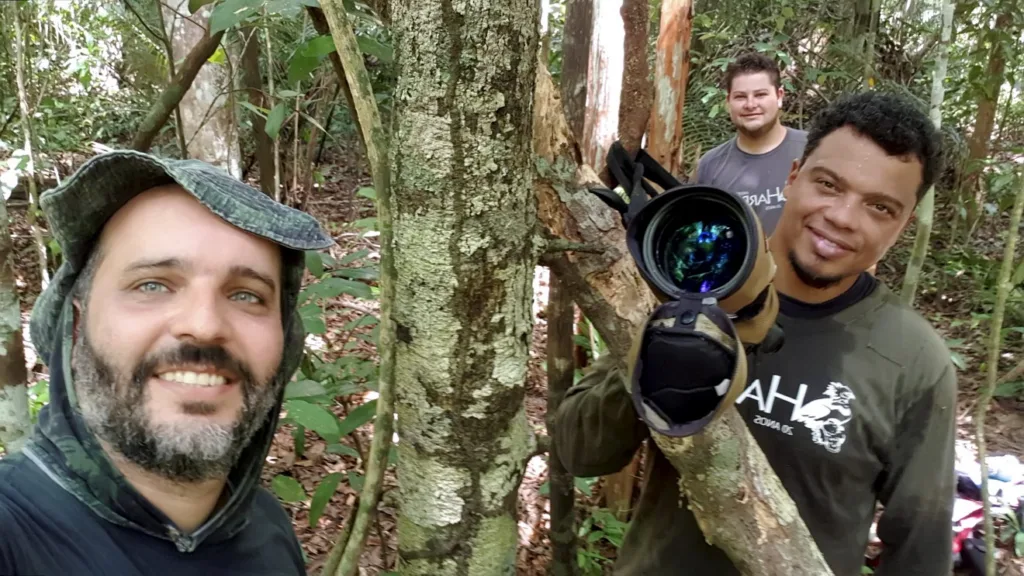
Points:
x=718 y=151
x=904 y=336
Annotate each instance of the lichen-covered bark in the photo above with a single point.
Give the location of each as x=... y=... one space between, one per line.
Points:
x=735 y=495
x=15 y=424
x=464 y=223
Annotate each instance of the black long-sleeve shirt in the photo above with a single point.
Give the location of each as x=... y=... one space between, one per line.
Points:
x=857 y=408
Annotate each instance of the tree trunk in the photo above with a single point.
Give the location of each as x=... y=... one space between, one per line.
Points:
x=869 y=43
x=752 y=518
x=637 y=90
x=973 y=193
x=465 y=224
x=15 y=423
x=604 y=84
x=207 y=119
x=29 y=145
x=672 y=71
x=926 y=208
x=560 y=316
x=1003 y=288
x=172 y=95
x=576 y=35
x=252 y=79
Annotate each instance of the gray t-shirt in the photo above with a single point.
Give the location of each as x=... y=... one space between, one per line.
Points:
x=757 y=178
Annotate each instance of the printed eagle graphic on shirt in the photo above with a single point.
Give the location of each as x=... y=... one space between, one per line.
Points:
x=827 y=417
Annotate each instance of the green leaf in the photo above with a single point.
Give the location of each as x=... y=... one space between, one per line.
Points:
x=958 y=360
x=219 y=56
x=261 y=112
x=358 y=273
x=595 y=536
x=344 y=450
x=322 y=496
x=275 y=119
x=372 y=47
x=314 y=417
x=355 y=480
x=312 y=319
x=787 y=12
x=763 y=46
x=1018 y=545
x=364 y=320
x=353 y=256
x=357 y=417
x=304 y=389
x=287 y=488
x=584 y=484
x=367 y=192
x=333 y=287
x=545 y=488
x=392 y=455
x=232 y=12
x=318 y=47
x=301 y=66
x=366 y=223
x=1008 y=389
x=299 y=438
x=314 y=263
x=195 y=5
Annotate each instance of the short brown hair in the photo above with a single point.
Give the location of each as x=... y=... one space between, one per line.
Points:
x=751 y=63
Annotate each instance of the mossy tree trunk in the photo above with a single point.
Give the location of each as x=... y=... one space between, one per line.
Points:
x=464 y=229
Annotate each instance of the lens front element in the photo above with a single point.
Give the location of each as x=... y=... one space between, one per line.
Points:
x=697 y=244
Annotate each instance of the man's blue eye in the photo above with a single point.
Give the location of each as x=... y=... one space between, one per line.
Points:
x=248 y=297
x=152 y=287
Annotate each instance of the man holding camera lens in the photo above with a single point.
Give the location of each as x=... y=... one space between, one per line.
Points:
x=855 y=409
x=755 y=162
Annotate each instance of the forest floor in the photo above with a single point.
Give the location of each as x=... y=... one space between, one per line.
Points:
x=948 y=299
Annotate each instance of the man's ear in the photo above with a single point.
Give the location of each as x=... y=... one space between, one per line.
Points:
x=794 y=170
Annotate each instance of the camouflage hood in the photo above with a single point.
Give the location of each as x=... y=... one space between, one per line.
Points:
x=77 y=211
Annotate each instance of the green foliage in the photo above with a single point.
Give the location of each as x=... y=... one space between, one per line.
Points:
x=599 y=528
x=322 y=496
x=287 y=488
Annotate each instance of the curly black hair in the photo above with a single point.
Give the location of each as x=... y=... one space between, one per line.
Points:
x=895 y=123
x=751 y=63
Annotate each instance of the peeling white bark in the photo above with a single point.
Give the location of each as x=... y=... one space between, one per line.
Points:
x=464 y=223
x=206 y=114
x=15 y=425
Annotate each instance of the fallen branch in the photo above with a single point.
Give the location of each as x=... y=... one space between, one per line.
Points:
x=556 y=245
x=368 y=118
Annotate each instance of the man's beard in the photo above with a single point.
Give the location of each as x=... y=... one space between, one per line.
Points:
x=810 y=278
x=113 y=405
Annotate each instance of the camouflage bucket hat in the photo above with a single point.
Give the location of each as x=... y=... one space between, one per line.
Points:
x=78 y=209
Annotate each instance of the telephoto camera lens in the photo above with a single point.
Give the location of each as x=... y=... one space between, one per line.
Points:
x=699 y=242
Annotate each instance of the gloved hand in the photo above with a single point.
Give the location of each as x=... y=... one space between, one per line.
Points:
x=689 y=363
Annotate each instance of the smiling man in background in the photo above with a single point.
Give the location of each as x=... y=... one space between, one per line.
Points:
x=755 y=162
x=170 y=332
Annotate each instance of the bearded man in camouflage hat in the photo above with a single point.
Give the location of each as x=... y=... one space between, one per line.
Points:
x=170 y=332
